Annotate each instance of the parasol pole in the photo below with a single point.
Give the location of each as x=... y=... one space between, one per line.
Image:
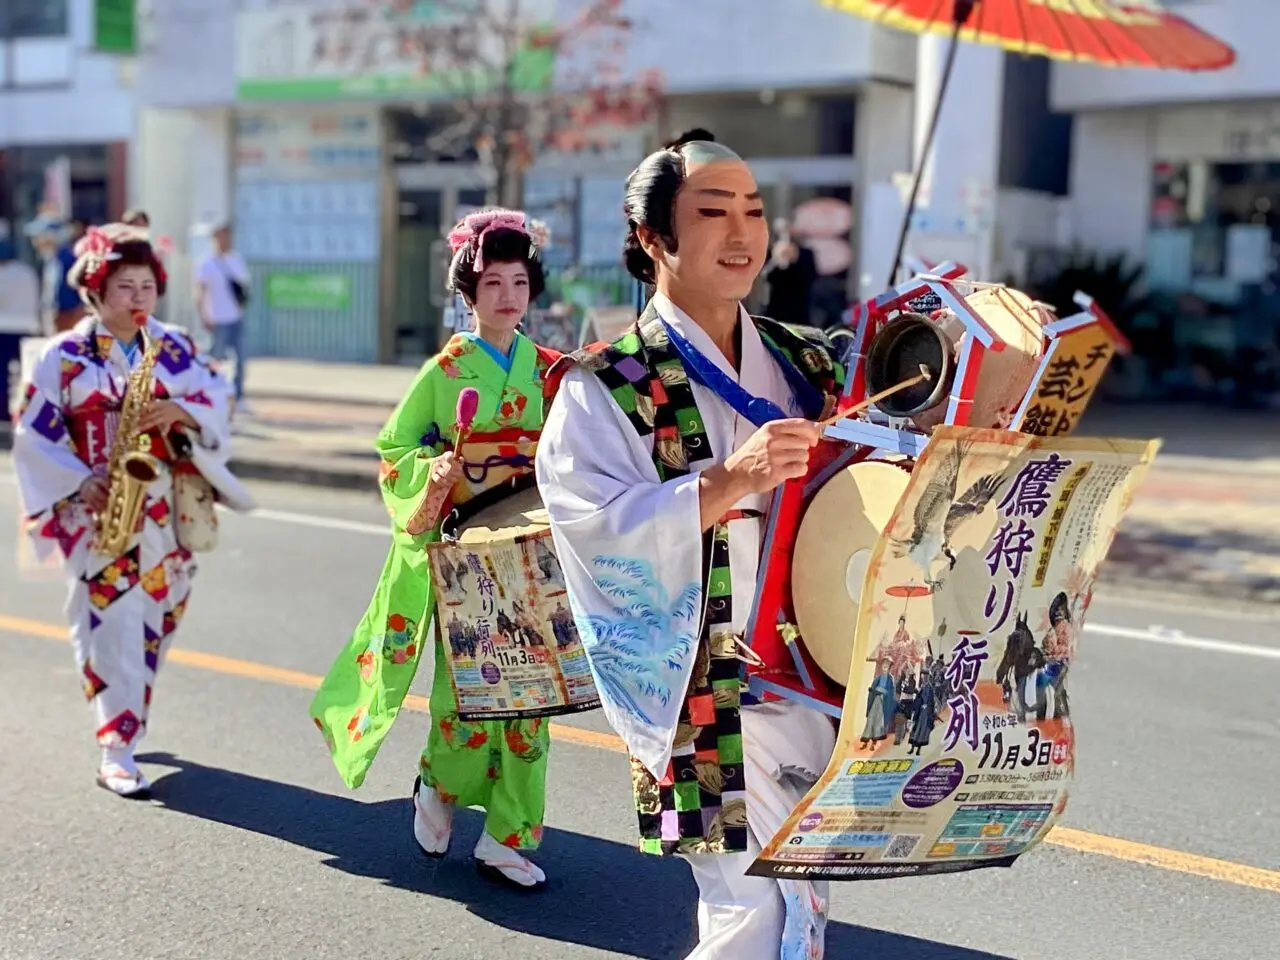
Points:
x=960 y=13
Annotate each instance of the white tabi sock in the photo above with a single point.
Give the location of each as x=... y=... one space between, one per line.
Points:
x=121 y=759
x=432 y=821
x=119 y=772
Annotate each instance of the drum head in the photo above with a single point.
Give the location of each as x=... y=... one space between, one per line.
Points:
x=520 y=514
x=833 y=548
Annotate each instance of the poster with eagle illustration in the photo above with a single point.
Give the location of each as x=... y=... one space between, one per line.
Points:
x=956 y=746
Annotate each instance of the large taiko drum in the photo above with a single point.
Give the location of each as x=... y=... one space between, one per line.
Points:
x=503 y=617
x=833 y=549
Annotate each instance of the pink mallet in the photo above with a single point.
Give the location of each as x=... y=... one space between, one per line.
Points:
x=464 y=416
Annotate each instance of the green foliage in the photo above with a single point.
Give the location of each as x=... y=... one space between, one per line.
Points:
x=1110 y=280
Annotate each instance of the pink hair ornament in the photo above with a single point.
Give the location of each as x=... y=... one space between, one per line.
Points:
x=475 y=226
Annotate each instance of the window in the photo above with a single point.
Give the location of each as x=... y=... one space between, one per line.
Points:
x=21 y=19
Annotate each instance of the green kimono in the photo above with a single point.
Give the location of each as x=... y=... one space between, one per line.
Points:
x=498 y=765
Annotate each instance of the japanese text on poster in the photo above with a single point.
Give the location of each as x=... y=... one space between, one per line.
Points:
x=1070 y=372
x=956 y=744
x=509 y=640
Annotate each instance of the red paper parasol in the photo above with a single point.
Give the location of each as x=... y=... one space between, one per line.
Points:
x=1116 y=33
x=908 y=590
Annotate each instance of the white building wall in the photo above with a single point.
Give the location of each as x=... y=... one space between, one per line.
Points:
x=1111 y=156
x=729 y=45
x=64 y=92
x=188 y=58
x=184 y=161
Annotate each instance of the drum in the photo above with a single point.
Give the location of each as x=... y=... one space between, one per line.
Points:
x=833 y=547
x=503 y=617
x=492 y=460
x=902 y=345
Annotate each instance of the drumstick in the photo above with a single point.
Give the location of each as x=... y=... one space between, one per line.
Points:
x=911 y=382
x=464 y=415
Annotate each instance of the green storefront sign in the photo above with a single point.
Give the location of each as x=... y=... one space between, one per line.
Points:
x=533 y=73
x=115 y=27
x=308 y=291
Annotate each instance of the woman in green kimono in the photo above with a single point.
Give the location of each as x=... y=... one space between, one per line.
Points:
x=497 y=765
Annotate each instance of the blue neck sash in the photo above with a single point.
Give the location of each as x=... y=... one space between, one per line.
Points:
x=758 y=410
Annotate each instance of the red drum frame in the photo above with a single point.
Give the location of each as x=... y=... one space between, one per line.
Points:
x=785 y=670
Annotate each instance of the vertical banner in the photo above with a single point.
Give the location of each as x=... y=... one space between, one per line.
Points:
x=1069 y=374
x=956 y=744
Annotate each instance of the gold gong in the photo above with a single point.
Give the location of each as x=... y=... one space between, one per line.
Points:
x=833 y=547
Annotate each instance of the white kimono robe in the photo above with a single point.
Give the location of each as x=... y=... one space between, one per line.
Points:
x=610 y=515
x=123 y=610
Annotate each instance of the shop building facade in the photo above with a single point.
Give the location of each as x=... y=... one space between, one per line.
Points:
x=1180 y=173
x=342 y=198
x=67 y=115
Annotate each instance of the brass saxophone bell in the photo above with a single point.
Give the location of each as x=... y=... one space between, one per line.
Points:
x=897 y=352
x=141 y=467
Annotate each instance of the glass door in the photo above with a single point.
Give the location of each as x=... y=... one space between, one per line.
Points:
x=420 y=275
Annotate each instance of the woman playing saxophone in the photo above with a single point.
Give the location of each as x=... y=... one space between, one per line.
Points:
x=99 y=395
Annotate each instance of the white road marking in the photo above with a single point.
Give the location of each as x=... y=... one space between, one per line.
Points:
x=1155 y=634
x=329 y=523
x=1175 y=638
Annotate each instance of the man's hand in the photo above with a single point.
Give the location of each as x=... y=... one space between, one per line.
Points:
x=164 y=415
x=93 y=494
x=777 y=452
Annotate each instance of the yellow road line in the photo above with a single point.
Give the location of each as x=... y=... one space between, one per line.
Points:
x=1114 y=847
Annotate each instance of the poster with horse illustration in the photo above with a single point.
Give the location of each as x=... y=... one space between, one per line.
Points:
x=956 y=746
x=502 y=616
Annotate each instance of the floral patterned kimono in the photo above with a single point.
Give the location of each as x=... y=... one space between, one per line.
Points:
x=123 y=610
x=497 y=765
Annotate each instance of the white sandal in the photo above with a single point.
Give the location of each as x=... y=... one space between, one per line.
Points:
x=132 y=785
x=506 y=866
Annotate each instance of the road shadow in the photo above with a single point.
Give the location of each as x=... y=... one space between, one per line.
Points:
x=1228 y=561
x=602 y=894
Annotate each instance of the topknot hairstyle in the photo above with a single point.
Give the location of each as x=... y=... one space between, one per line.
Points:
x=493 y=236
x=104 y=250
x=649 y=199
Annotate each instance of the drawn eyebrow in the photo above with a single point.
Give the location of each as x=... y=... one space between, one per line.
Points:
x=727 y=194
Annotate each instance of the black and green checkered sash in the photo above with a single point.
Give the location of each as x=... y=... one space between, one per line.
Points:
x=699 y=805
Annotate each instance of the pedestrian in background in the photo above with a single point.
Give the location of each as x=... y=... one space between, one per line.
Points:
x=19 y=311
x=222 y=294
x=790 y=275
x=62 y=306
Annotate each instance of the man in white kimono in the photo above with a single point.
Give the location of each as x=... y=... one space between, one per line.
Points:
x=656 y=465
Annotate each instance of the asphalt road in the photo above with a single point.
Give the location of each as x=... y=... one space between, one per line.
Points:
x=254 y=848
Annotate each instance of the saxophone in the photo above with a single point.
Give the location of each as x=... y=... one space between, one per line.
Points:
x=131 y=467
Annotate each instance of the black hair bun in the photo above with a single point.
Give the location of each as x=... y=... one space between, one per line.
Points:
x=690 y=136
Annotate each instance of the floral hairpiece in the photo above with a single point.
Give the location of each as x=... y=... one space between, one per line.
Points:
x=539 y=233
x=474 y=227
x=98 y=250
